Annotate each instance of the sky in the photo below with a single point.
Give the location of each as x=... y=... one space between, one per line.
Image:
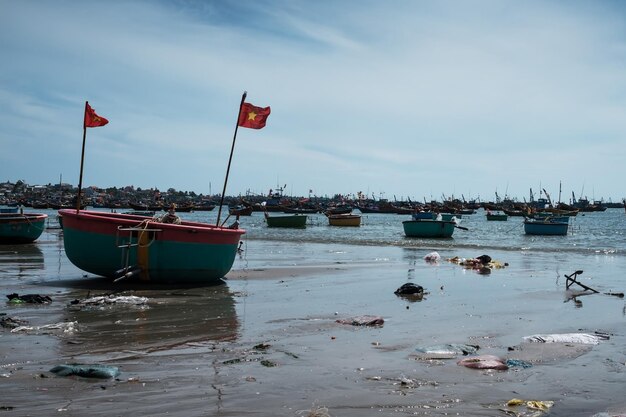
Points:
x=396 y=99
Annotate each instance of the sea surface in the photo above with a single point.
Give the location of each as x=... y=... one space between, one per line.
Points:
x=267 y=342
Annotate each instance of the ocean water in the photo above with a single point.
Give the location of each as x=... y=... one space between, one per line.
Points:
x=589 y=233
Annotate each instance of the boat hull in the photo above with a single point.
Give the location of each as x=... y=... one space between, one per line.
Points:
x=428 y=228
x=545 y=228
x=21 y=228
x=107 y=243
x=296 y=221
x=346 y=220
x=497 y=217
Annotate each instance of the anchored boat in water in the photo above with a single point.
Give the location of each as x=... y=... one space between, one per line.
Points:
x=428 y=228
x=547 y=226
x=21 y=227
x=296 y=221
x=348 y=220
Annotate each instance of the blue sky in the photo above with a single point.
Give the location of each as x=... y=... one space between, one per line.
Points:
x=395 y=99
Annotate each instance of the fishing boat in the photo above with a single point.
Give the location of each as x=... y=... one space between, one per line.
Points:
x=546 y=226
x=497 y=216
x=428 y=228
x=353 y=220
x=21 y=227
x=118 y=246
x=125 y=246
x=240 y=210
x=4 y=210
x=296 y=221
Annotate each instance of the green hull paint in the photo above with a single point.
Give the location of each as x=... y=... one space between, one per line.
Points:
x=545 y=228
x=16 y=228
x=428 y=228
x=497 y=217
x=292 y=221
x=166 y=261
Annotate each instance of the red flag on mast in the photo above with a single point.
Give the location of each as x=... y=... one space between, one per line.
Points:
x=253 y=117
x=92 y=119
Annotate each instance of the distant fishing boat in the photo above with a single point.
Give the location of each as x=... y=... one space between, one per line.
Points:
x=21 y=228
x=550 y=227
x=350 y=220
x=8 y=210
x=297 y=221
x=240 y=210
x=428 y=228
x=497 y=216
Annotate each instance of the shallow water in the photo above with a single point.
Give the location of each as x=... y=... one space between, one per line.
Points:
x=212 y=351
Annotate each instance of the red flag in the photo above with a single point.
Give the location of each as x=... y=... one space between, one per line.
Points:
x=252 y=116
x=92 y=119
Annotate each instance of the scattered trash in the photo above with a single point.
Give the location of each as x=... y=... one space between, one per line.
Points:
x=28 y=298
x=448 y=351
x=571 y=280
x=432 y=257
x=484 y=259
x=410 y=289
x=12 y=322
x=582 y=338
x=268 y=363
x=86 y=371
x=484 y=362
x=482 y=264
x=110 y=299
x=262 y=346
x=64 y=327
x=365 y=320
x=531 y=404
x=518 y=363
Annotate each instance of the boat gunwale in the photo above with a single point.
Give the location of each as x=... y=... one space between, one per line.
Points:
x=21 y=217
x=131 y=220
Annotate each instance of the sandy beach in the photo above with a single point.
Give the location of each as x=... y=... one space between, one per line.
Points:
x=267 y=342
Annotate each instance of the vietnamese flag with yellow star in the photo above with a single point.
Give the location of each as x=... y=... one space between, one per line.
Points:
x=92 y=119
x=253 y=117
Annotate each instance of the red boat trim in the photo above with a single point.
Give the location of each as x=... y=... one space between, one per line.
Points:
x=188 y=232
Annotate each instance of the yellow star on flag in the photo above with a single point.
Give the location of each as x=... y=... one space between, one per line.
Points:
x=251 y=115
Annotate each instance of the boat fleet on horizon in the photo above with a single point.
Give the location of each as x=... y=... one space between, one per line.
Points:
x=139 y=245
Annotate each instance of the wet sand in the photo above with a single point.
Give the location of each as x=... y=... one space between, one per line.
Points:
x=266 y=343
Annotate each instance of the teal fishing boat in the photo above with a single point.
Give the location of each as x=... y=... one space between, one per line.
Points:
x=295 y=221
x=121 y=246
x=21 y=228
x=428 y=228
x=550 y=227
